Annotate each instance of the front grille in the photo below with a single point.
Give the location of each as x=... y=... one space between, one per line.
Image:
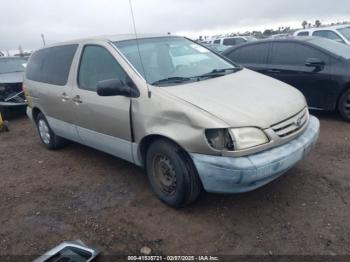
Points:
x=291 y=125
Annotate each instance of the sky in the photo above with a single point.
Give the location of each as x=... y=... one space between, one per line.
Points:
x=23 y=21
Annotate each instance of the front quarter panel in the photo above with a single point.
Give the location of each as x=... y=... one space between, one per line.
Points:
x=167 y=116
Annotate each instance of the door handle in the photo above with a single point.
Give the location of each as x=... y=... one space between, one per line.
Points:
x=77 y=99
x=274 y=71
x=64 y=96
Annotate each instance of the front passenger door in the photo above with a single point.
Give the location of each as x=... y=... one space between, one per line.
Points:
x=102 y=122
x=287 y=63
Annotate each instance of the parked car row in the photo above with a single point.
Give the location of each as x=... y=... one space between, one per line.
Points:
x=338 y=33
x=318 y=67
x=190 y=117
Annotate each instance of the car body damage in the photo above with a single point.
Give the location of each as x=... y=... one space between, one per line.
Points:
x=11 y=78
x=243 y=174
x=173 y=118
x=11 y=94
x=181 y=115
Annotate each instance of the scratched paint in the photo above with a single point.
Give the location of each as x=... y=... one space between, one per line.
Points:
x=242 y=174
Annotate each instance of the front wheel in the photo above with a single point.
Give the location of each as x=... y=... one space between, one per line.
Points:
x=344 y=105
x=47 y=136
x=172 y=174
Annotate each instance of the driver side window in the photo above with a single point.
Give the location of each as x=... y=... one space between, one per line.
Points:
x=97 y=64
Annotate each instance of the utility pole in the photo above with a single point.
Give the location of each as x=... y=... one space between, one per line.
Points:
x=43 y=38
x=20 y=51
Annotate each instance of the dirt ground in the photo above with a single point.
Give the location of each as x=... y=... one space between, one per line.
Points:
x=47 y=197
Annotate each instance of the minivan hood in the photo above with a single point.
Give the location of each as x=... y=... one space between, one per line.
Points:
x=244 y=98
x=15 y=77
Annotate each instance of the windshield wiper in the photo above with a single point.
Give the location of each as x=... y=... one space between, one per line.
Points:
x=174 y=79
x=220 y=72
x=179 y=79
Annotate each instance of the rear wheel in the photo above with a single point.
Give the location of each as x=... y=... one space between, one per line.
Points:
x=344 y=105
x=47 y=136
x=172 y=174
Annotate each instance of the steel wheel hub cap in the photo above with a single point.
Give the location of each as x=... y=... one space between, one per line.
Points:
x=44 y=131
x=164 y=174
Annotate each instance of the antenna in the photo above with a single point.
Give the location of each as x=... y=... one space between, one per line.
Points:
x=43 y=38
x=138 y=47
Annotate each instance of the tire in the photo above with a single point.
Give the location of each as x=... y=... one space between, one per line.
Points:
x=47 y=136
x=344 y=105
x=166 y=160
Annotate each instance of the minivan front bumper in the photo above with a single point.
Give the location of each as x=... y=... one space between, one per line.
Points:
x=242 y=174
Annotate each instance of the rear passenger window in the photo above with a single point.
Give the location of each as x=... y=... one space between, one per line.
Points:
x=51 y=65
x=217 y=41
x=251 y=54
x=98 y=64
x=294 y=54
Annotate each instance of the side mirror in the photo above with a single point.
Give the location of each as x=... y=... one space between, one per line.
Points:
x=115 y=87
x=315 y=62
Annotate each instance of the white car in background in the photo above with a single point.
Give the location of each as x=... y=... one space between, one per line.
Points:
x=339 y=33
x=231 y=41
x=279 y=36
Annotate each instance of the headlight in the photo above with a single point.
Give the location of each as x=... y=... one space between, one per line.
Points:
x=219 y=139
x=247 y=137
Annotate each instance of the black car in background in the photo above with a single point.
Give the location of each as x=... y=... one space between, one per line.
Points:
x=318 y=67
x=12 y=99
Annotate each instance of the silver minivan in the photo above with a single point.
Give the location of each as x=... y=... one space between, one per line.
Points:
x=191 y=118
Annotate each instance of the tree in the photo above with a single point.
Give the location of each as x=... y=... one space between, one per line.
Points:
x=268 y=32
x=304 y=24
x=317 y=23
x=286 y=29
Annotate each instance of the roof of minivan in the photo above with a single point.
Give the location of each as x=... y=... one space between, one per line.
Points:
x=112 y=38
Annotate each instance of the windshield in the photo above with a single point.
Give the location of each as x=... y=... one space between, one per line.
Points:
x=332 y=46
x=165 y=58
x=10 y=65
x=345 y=32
